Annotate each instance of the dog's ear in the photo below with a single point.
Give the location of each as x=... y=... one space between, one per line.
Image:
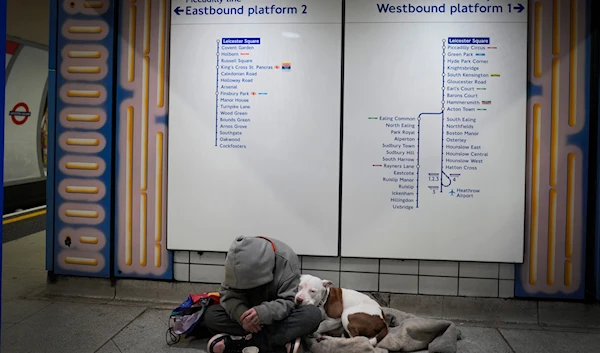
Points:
x=327 y=283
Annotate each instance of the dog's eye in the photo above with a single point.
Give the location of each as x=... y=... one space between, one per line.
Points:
x=313 y=291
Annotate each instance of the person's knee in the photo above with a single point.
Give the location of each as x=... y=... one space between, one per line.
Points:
x=311 y=316
x=213 y=316
x=212 y=311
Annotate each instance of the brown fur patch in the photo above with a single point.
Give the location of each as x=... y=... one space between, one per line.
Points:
x=361 y=324
x=335 y=304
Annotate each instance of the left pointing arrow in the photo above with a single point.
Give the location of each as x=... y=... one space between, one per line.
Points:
x=178 y=10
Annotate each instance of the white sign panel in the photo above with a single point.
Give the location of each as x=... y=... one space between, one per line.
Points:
x=25 y=100
x=435 y=130
x=254 y=123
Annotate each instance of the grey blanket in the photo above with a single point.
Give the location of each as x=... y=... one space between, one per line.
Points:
x=407 y=333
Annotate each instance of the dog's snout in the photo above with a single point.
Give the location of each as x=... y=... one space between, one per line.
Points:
x=299 y=300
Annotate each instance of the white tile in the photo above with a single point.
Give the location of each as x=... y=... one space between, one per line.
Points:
x=207 y=258
x=402 y=267
x=181 y=272
x=333 y=276
x=507 y=289
x=438 y=285
x=360 y=265
x=321 y=263
x=507 y=271
x=399 y=284
x=359 y=281
x=438 y=268
x=478 y=270
x=207 y=273
x=182 y=257
x=477 y=287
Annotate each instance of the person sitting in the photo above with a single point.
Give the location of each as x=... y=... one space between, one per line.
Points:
x=257 y=300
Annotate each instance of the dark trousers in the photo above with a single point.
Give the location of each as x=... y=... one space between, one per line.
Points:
x=302 y=321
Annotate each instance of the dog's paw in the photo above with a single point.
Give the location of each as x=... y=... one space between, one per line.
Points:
x=315 y=335
x=323 y=338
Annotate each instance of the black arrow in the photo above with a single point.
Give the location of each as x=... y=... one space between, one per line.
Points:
x=179 y=10
x=519 y=8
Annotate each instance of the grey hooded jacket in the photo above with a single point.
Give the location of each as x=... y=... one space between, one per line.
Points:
x=263 y=274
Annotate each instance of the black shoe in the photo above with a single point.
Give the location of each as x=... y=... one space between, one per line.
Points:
x=233 y=344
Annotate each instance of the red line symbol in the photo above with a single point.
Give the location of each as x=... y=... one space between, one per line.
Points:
x=20 y=117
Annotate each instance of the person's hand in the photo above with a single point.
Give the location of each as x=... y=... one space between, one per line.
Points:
x=251 y=328
x=250 y=321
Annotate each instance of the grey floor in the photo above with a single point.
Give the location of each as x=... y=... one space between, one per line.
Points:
x=31 y=322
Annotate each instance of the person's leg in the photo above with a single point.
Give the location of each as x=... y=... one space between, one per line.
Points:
x=221 y=327
x=302 y=321
x=216 y=321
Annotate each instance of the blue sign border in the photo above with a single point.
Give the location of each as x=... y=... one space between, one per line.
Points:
x=2 y=91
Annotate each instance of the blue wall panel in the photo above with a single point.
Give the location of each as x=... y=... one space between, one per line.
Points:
x=141 y=139
x=52 y=53
x=595 y=262
x=558 y=122
x=84 y=129
x=3 y=65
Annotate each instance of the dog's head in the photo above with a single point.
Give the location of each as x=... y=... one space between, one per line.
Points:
x=312 y=290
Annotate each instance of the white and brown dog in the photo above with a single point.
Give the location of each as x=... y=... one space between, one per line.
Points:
x=356 y=312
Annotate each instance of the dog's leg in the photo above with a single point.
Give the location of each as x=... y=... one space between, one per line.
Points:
x=345 y=324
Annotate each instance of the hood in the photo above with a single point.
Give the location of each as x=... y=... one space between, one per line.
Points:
x=250 y=263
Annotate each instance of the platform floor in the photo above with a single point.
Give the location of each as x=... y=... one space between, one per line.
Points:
x=33 y=322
